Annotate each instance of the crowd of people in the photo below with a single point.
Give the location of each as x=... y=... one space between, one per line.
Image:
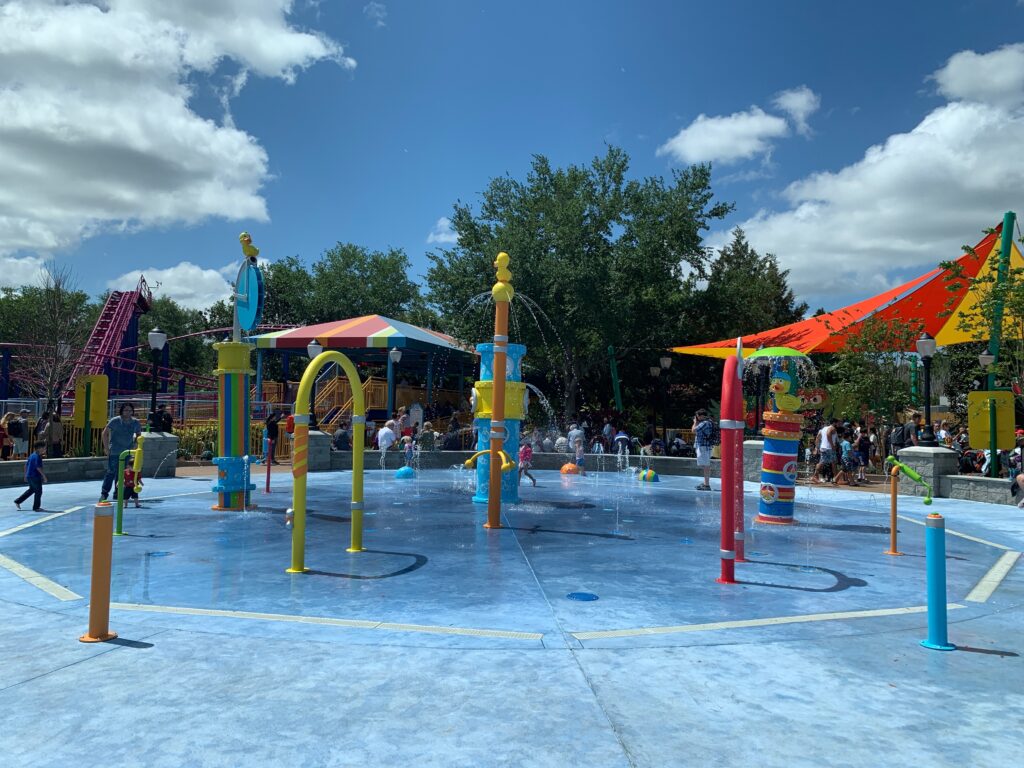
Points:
x=18 y=435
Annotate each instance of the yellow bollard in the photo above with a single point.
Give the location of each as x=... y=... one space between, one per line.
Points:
x=99 y=592
x=893 y=486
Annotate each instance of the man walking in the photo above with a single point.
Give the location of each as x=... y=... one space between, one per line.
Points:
x=118 y=436
x=827 y=437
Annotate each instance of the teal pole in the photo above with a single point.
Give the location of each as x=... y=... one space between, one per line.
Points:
x=120 y=492
x=615 y=378
x=935 y=565
x=995 y=338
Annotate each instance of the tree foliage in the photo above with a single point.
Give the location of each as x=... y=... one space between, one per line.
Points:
x=597 y=260
x=871 y=371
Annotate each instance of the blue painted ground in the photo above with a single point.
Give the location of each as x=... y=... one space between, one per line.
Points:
x=446 y=644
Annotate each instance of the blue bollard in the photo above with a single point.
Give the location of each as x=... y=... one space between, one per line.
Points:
x=935 y=559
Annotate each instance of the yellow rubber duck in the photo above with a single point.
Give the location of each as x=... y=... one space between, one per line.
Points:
x=780 y=385
x=248 y=248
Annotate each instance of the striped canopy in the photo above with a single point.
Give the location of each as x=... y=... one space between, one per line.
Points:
x=935 y=301
x=368 y=332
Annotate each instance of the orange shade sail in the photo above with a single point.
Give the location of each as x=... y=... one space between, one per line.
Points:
x=936 y=300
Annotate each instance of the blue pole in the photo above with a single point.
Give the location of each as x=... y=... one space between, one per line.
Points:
x=391 y=388
x=935 y=558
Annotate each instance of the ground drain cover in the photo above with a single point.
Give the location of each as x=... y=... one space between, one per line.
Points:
x=585 y=597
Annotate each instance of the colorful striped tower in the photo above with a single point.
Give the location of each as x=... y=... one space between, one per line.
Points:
x=483 y=392
x=779 y=467
x=233 y=410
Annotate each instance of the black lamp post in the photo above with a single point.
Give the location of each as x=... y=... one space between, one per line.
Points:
x=926 y=349
x=655 y=371
x=666 y=363
x=987 y=359
x=313 y=349
x=157 y=341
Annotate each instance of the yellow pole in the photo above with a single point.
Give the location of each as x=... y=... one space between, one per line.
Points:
x=99 y=589
x=300 y=455
x=502 y=293
x=893 y=486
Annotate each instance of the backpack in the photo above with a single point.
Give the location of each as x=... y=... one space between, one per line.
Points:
x=716 y=432
x=901 y=436
x=15 y=428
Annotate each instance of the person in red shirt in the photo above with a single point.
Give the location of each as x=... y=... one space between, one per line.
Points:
x=132 y=482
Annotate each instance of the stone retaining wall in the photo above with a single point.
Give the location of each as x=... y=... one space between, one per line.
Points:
x=159 y=455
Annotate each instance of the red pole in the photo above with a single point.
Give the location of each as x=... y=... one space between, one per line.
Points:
x=270 y=460
x=729 y=417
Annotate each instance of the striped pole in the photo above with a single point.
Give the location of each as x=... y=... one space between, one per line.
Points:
x=779 y=467
x=233 y=411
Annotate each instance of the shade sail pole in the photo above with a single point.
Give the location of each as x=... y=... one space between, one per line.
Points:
x=996 y=336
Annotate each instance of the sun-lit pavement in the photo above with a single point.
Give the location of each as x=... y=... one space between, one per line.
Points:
x=446 y=644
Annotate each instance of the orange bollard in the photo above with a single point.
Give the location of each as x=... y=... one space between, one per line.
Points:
x=99 y=591
x=893 y=486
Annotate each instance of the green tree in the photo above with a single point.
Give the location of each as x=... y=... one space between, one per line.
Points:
x=746 y=293
x=193 y=354
x=870 y=373
x=350 y=281
x=597 y=260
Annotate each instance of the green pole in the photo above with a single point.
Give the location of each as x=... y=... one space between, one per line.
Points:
x=87 y=434
x=615 y=378
x=120 y=491
x=1009 y=219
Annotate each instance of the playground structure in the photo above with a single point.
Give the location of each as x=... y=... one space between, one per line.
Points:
x=300 y=467
x=496 y=434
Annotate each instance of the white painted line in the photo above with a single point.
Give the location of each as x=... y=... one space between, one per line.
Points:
x=37 y=580
x=350 y=623
x=986 y=542
x=40 y=521
x=743 y=623
x=990 y=581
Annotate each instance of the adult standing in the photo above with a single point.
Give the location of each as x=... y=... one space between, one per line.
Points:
x=118 y=436
x=54 y=437
x=574 y=434
x=273 y=431
x=18 y=429
x=386 y=436
x=40 y=429
x=703 y=437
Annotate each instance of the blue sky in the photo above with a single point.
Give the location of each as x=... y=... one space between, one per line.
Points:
x=397 y=109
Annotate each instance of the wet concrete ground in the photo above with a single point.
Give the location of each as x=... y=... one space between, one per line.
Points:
x=446 y=644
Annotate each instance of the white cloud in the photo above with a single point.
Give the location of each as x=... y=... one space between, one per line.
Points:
x=377 y=13
x=96 y=129
x=906 y=205
x=442 y=233
x=16 y=272
x=992 y=78
x=727 y=139
x=190 y=285
x=799 y=103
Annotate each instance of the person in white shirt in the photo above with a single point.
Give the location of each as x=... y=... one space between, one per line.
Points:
x=386 y=436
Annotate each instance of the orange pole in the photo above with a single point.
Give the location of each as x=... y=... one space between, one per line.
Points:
x=497 y=414
x=893 y=485
x=99 y=591
x=502 y=294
